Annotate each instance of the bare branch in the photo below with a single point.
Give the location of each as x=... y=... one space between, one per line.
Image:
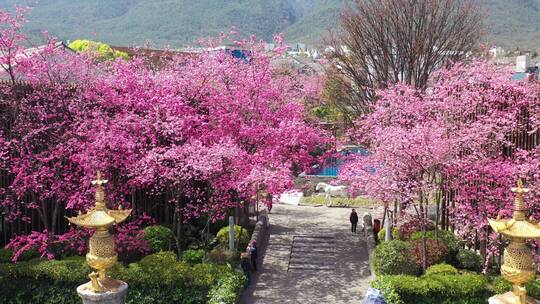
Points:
x=381 y=42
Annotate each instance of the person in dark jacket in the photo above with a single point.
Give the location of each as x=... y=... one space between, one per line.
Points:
x=269 y=200
x=354 y=220
x=253 y=255
x=246 y=267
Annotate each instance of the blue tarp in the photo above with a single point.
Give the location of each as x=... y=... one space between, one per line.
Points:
x=374 y=296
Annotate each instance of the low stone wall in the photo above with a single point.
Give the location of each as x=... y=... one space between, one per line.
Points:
x=260 y=231
x=369 y=235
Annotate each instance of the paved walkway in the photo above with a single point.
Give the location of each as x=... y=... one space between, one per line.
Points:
x=311 y=257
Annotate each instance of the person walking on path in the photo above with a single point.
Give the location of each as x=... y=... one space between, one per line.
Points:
x=252 y=250
x=269 y=199
x=246 y=267
x=354 y=220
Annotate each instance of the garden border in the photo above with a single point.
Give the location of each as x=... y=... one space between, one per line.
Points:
x=369 y=234
x=260 y=231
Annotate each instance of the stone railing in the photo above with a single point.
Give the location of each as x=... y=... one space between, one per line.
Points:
x=261 y=228
x=369 y=234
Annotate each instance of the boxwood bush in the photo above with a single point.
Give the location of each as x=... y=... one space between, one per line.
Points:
x=470 y=260
x=393 y=258
x=499 y=285
x=159 y=238
x=227 y=289
x=193 y=256
x=158 y=279
x=441 y=268
x=436 y=288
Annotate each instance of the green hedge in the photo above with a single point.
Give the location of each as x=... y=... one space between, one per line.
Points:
x=499 y=286
x=156 y=279
x=441 y=268
x=393 y=258
x=227 y=289
x=193 y=256
x=470 y=260
x=437 y=288
x=159 y=238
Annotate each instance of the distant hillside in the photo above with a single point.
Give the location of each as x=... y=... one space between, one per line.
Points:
x=511 y=23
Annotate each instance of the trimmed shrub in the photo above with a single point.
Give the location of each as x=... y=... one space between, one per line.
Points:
x=392 y=258
x=436 y=252
x=156 y=279
x=441 y=268
x=159 y=238
x=433 y=289
x=227 y=289
x=499 y=285
x=533 y=289
x=208 y=274
x=470 y=260
x=382 y=234
x=223 y=237
x=192 y=256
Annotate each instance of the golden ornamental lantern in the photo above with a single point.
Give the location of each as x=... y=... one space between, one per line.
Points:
x=102 y=254
x=518 y=264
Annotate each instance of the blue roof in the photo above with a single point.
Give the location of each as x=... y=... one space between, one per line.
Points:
x=520 y=76
x=332 y=165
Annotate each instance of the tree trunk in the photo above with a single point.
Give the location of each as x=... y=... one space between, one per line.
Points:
x=443 y=210
x=42 y=211
x=179 y=230
x=395 y=212
x=424 y=236
x=56 y=210
x=384 y=214
x=438 y=202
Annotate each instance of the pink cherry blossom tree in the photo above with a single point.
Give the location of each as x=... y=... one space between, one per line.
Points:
x=459 y=135
x=205 y=131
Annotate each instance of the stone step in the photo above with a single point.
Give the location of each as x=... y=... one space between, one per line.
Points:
x=306 y=249
x=312 y=237
x=314 y=245
x=322 y=255
x=280 y=248
x=303 y=245
x=311 y=267
x=298 y=261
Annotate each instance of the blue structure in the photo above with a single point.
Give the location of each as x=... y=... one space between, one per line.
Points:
x=243 y=55
x=331 y=165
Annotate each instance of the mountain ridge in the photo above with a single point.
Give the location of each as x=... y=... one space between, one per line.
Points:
x=177 y=23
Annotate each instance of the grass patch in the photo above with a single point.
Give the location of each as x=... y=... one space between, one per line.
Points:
x=338 y=201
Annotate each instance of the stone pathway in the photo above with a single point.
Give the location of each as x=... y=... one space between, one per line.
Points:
x=311 y=257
